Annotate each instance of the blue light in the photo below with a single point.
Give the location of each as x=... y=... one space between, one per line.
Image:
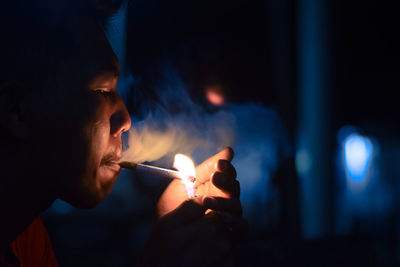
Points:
x=357 y=155
x=303 y=161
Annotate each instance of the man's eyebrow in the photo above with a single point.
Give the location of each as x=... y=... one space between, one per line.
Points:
x=114 y=70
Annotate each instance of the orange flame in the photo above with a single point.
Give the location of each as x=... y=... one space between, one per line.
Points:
x=185 y=167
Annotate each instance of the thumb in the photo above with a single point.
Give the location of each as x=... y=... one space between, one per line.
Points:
x=226 y=154
x=207 y=167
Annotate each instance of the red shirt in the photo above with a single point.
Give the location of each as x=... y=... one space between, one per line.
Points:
x=31 y=248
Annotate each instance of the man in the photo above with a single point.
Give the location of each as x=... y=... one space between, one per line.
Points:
x=61 y=121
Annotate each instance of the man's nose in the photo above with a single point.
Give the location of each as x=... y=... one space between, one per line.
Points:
x=120 y=120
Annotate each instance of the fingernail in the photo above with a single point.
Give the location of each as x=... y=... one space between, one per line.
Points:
x=223 y=165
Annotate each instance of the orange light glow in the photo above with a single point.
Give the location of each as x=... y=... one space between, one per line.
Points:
x=214 y=95
x=185 y=167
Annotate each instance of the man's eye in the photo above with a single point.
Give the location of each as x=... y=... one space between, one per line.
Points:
x=104 y=92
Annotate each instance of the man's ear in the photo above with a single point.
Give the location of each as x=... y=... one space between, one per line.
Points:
x=12 y=111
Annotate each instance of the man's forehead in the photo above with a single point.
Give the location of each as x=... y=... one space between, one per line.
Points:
x=104 y=79
x=94 y=54
x=105 y=65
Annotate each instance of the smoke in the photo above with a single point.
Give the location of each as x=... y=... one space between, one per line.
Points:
x=175 y=124
x=161 y=135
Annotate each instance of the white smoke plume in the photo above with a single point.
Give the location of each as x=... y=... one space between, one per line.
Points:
x=161 y=135
x=189 y=129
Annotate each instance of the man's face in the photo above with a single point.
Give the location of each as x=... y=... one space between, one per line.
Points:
x=82 y=141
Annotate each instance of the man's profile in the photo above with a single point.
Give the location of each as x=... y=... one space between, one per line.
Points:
x=61 y=120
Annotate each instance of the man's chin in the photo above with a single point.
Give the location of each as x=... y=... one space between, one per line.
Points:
x=92 y=189
x=86 y=201
x=89 y=199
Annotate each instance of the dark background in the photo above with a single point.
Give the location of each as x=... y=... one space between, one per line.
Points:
x=269 y=52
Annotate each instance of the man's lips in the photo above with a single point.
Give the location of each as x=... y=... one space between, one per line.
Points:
x=112 y=165
x=111 y=162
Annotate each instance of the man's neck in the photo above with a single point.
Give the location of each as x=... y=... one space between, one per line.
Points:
x=21 y=201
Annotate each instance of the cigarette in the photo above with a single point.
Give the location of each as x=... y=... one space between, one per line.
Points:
x=167 y=173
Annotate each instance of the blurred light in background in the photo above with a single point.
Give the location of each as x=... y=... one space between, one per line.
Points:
x=303 y=161
x=357 y=156
x=365 y=190
x=214 y=95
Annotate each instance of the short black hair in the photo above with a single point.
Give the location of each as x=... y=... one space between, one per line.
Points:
x=36 y=39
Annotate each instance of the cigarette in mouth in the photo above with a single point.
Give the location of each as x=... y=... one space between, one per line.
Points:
x=142 y=168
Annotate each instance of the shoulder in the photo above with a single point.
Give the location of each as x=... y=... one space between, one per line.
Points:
x=33 y=246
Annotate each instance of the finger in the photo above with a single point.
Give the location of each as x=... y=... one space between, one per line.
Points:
x=188 y=211
x=226 y=184
x=232 y=205
x=227 y=168
x=209 y=165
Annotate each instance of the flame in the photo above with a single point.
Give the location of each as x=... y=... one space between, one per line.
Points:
x=185 y=167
